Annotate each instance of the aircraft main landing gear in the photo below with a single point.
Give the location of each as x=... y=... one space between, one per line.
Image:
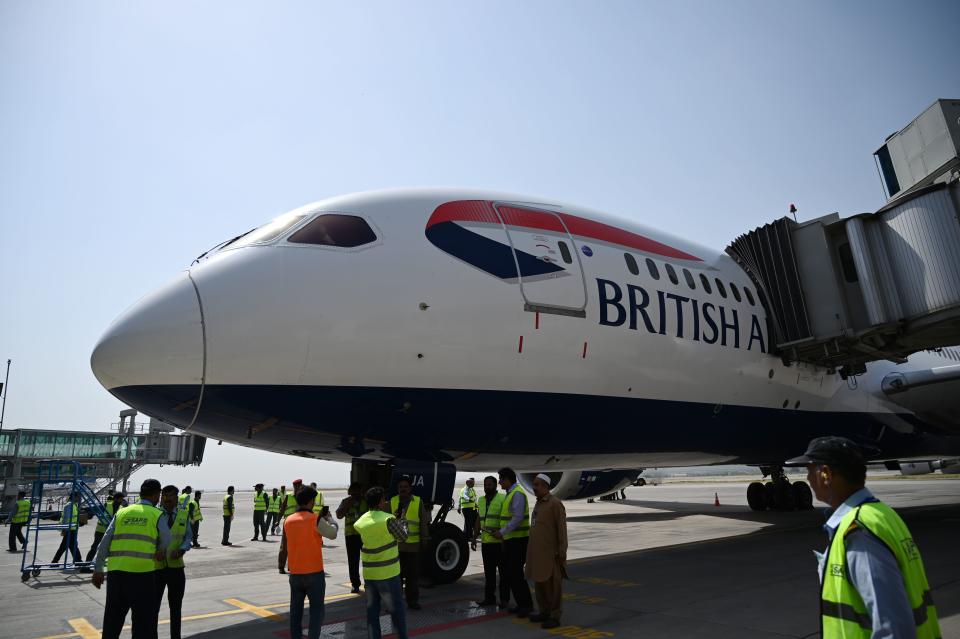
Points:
x=779 y=493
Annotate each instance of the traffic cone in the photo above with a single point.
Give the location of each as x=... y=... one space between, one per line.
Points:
x=716 y=499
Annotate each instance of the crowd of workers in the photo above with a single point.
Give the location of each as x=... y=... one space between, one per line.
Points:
x=873 y=582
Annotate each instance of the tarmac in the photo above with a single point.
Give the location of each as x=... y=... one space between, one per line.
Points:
x=665 y=562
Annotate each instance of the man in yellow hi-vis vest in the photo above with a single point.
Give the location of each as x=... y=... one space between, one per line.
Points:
x=380 y=533
x=130 y=548
x=515 y=533
x=21 y=516
x=405 y=505
x=872 y=581
x=170 y=574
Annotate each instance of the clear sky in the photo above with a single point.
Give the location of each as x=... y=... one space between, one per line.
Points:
x=135 y=135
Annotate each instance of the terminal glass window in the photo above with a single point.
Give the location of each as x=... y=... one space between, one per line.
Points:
x=705 y=281
x=335 y=229
x=631 y=264
x=652 y=267
x=671 y=273
x=689 y=278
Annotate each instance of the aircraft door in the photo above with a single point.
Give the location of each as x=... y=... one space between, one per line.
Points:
x=548 y=262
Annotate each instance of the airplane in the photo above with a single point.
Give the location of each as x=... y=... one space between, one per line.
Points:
x=447 y=329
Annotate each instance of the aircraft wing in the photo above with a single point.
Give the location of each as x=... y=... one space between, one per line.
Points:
x=933 y=394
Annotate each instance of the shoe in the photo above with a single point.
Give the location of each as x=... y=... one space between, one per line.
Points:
x=195 y=545
x=486 y=602
x=538 y=618
x=255 y=539
x=414 y=606
x=355 y=590
x=225 y=543
x=282 y=571
x=503 y=605
x=522 y=612
x=550 y=623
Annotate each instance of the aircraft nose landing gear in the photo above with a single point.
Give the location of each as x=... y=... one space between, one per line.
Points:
x=779 y=493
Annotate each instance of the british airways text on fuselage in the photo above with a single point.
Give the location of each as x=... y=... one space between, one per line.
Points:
x=637 y=308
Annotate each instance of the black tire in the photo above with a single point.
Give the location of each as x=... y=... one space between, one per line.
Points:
x=25 y=575
x=755 y=496
x=803 y=496
x=36 y=572
x=769 y=496
x=784 y=497
x=640 y=482
x=449 y=553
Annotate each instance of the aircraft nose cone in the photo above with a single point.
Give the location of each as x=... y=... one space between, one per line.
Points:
x=151 y=357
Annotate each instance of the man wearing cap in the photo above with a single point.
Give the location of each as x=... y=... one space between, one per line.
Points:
x=468 y=506
x=547 y=553
x=260 y=504
x=872 y=581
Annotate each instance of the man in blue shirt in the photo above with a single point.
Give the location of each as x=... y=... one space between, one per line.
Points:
x=836 y=471
x=170 y=575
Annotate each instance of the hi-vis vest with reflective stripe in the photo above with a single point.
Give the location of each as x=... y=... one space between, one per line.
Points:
x=291 y=505
x=468 y=498
x=74 y=520
x=274 y=506
x=135 y=538
x=379 y=554
x=183 y=499
x=523 y=529
x=412 y=515
x=842 y=611
x=197 y=515
x=103 y=523
x=350 y=518
x=490 y=518
x=318 y=503
x=23 y=511
x=177 y=532
x=258 y=503
x=227 y=507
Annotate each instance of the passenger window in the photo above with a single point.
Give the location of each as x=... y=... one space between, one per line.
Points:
x=735 y=291
x=652 y=267
x=749 y=296
x=672 y=274
x=631 y=264
x=565 y=252
x=334 y=229
x=705 y=281
x=689 y=277
x=720 y=289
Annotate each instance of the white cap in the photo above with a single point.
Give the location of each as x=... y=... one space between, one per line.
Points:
x=544 y=478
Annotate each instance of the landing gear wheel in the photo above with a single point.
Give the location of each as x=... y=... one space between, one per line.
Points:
x=449 y=554
x=802 y=495
x=783 y=496
x=755 y=497
x=769 y=496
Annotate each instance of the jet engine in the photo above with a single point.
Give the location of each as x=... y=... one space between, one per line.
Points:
x=583 y=484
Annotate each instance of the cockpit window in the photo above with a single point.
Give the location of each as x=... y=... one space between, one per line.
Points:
x=335 y=229
x=270 y=231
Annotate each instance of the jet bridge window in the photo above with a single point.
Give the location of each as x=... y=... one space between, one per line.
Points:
x=631 y=264
x=652 y=267
x=335 y=229
x=671 y=273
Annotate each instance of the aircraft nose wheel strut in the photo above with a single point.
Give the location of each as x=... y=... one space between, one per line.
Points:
x=779 y=493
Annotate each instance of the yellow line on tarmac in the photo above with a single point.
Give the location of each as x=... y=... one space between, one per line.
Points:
x=260 y=611
x=84 y=628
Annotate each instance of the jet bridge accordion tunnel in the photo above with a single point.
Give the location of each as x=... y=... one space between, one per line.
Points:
x=840 y=293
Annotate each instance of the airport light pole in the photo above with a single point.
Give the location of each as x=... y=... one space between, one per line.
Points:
x=6 y=385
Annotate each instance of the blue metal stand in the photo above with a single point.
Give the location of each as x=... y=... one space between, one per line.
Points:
x=61 y=474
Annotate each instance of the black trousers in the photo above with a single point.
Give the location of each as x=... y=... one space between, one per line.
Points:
x=259 y=524
x=273 y=519
x=15 y=535
x=469 y=520
x=68 y=539
x=514 y=557
x=196 y=532
x=492 y=564
x=410 y=573
x=354 y=543
x=97 y=537
x=175 y=582
x=226 y=529
x=133 y=592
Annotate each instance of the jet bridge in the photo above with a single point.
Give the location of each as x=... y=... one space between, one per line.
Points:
x=844 y=292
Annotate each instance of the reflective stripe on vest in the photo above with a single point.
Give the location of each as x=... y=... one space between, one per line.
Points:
x=523 y=529
x=842 y=611
x=379 y=554
x=135 y=538
x=177 y=532
x=74 y=521
x=318 y=502
x=102 y=524
x=490 y=518
x=412 y=515
x=258 y=503
x=227 y=509
x=291 y=505
x=351 y=516
x=304 y=543
x=274 y=506
x=468 y=498
x=23 y=511
x=197 y=515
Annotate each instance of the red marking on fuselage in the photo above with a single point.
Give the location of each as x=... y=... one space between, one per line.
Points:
x=584 y=356
x=520 y=347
